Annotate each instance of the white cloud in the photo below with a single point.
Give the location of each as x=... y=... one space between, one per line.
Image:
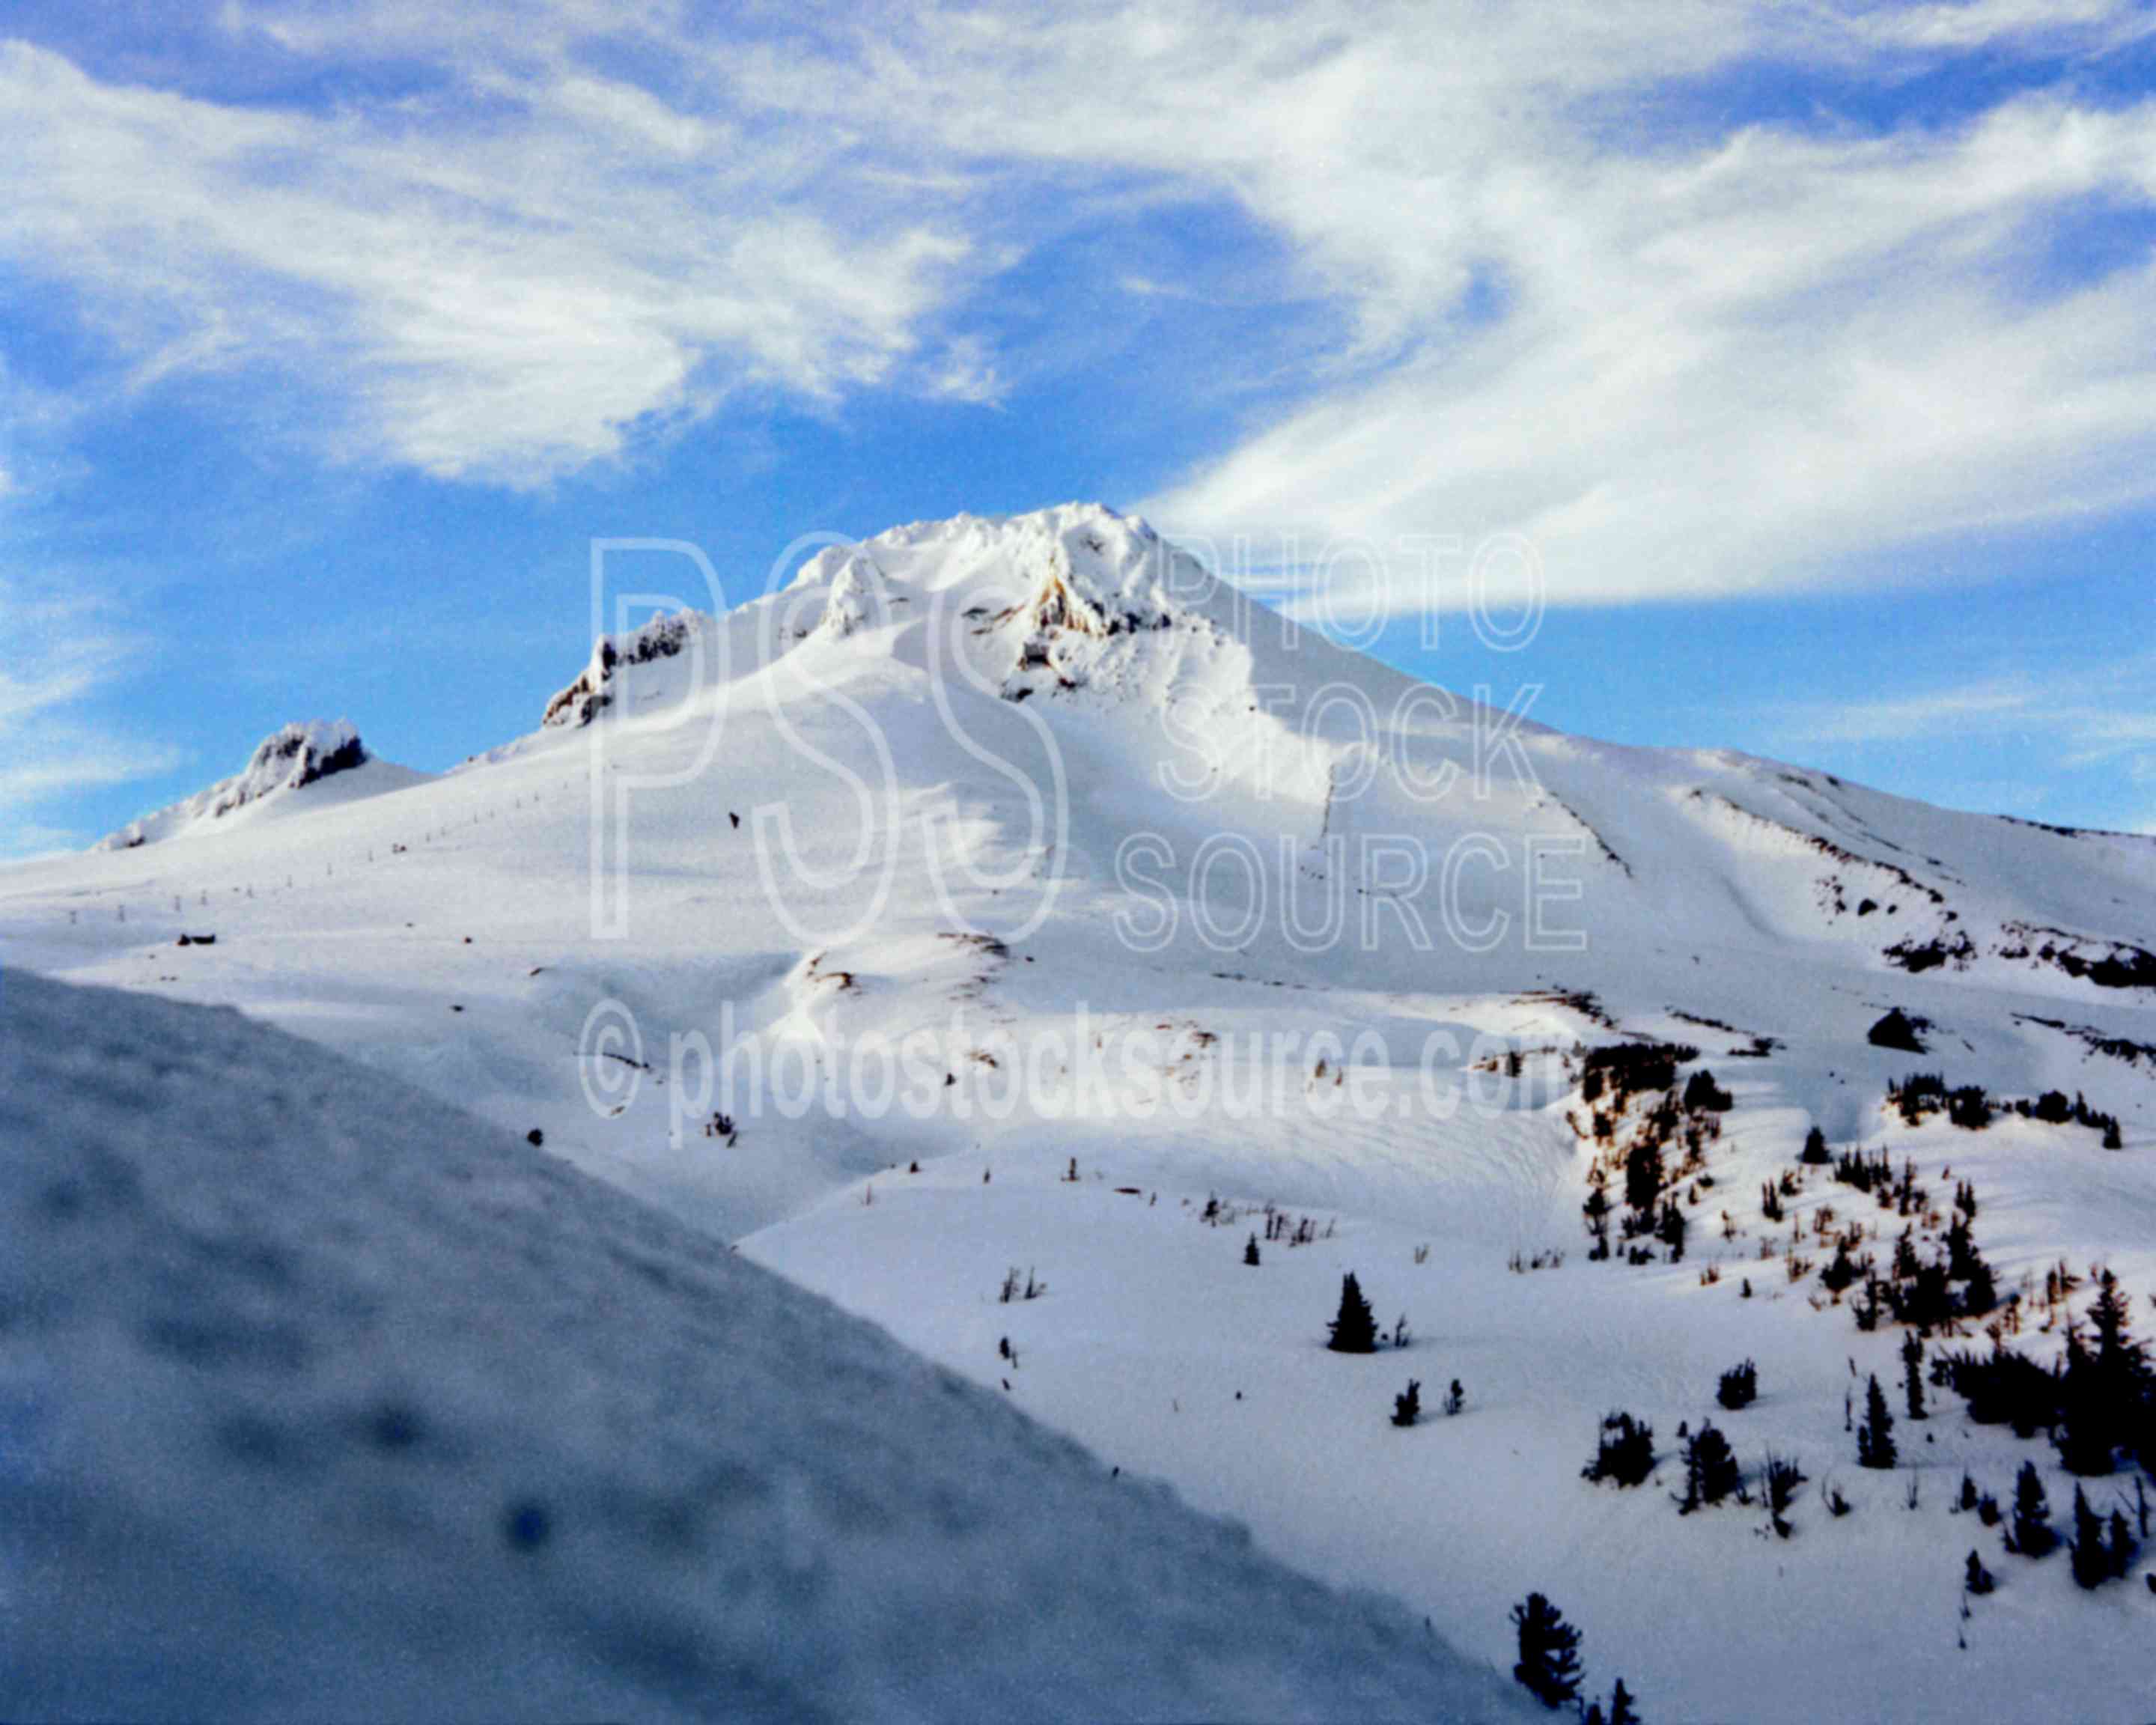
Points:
x=966 y=372
x=1686 y=359
x=501 y=290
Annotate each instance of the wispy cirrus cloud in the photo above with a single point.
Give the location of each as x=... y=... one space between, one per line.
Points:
x=506 y=283
x=59 y=656
x=2102 y=717
x=1689 y=355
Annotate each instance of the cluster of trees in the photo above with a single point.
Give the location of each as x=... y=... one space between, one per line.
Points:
x=1624 y=1069
x=1301 y=1231
x=1688 y=1123
x=1354 y=1330
x=1406 y=1405
x=1925 y=1293
x=2100 y=1550
x=2097 y=1404
x=1922 y=1094
x=2053 y=1109
x=1702 y=1093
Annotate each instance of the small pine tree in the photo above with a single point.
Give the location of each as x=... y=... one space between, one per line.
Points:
x=1710 y=1470
x=1976 y=1579
x=1783 y=1477
x=2122 y=1363
x=1913 y=1375
x=2120 y=1547
x=1548 y=1667
x=1407 y=1407
x=2090 y=1556
x=1355 y=1330
x=1250 y=1252
x=2031 y=1532
x=1671 y=1231
x=1643 y=1176
x=1740 y=1386
x=1622 y=1710
x=1625 y=1452
x=1816 y=1150
x=1875 y=1437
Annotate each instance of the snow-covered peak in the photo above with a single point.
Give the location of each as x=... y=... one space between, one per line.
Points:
x=289 y=759
x=592 y=692
x=1078 y=565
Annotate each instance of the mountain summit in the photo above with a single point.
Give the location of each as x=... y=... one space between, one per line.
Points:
x=288 y=760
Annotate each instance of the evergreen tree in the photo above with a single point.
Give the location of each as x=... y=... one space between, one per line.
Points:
x=1710 y=1470
x=1250 y=1252
x=1625 y=1452
x=2122 y=1363
x=2121 y=1546
x=1816 y=1150
x=1643 y=1176
x=2031 y=1532
x=1407 y=1407
x=1913 y=1375
x=1355 y=1330
x=1671 y=1231
x=1875 y=1438
x=1740 y=1386
x=1783 y=1477
x=1597 y=1211
x=1548 y=1666
x=1976 y=1579
x=2096 y=1390
x=2090 y=1556
x=1622 y=1710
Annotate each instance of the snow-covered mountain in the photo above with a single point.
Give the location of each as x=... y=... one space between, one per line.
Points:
x=1012 y=849
x=298 y=758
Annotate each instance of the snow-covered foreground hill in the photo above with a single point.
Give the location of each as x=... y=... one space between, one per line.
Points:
x=322 y=1400
x=991 y=844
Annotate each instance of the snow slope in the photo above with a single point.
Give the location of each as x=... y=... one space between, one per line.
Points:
x=1025 y=796
x=323 y=1399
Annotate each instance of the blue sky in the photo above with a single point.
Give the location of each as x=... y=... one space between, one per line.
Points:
x=1813 y=349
